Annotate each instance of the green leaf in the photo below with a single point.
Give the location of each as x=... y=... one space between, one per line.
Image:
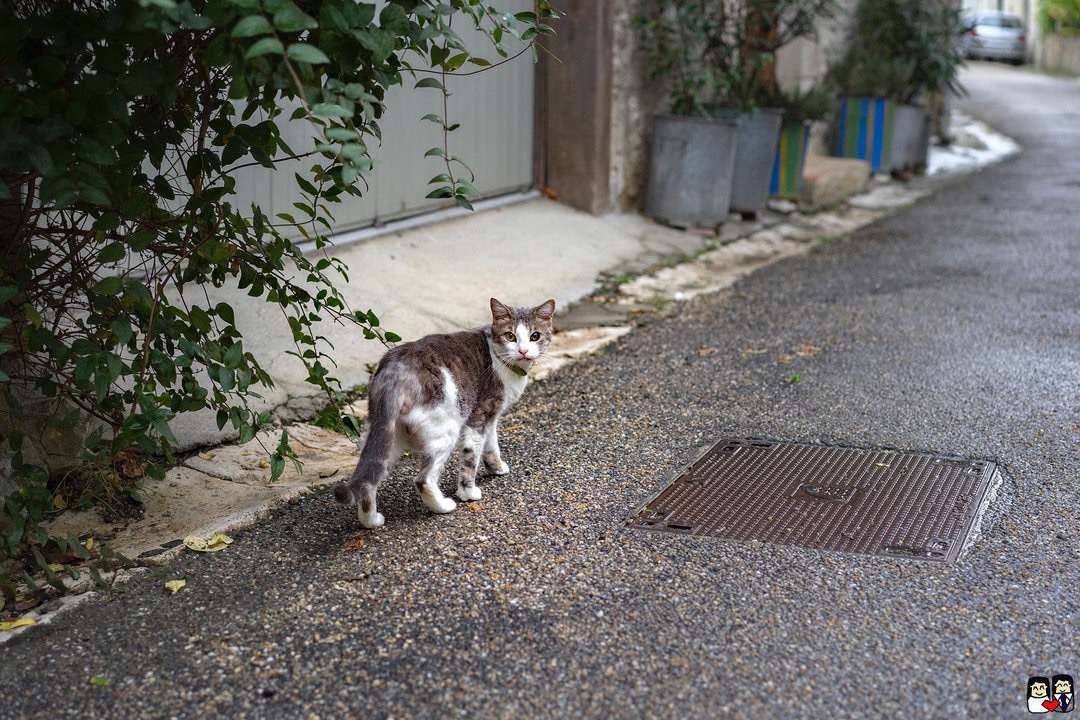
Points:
x=302 y=52
x=292 y=19
x=330 y=110
x=266 y=46
x=429 y=82
x=251 y=26
x=111 y=285
x=113 y=252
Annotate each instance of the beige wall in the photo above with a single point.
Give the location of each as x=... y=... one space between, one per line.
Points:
x=1061 y=53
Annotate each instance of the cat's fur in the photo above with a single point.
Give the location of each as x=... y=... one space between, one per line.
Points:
x=430 y=394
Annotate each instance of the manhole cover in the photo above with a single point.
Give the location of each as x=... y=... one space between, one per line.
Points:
x=876 y=502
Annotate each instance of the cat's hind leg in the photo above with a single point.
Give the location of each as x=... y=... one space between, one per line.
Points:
x=492 y=457
x=472 y=443
x=362 y=487
x=427 y=482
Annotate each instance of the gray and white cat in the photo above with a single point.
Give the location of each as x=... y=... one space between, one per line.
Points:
x=429 y=394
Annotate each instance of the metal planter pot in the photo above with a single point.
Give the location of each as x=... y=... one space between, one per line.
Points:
x=759 y=133
x=690 y=170
x=864 y=129
x=911 y=139
x=790 y=160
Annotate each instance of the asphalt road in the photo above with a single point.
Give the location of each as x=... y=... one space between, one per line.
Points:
x=951 y=327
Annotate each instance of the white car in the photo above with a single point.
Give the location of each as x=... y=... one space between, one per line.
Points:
x=995 y=35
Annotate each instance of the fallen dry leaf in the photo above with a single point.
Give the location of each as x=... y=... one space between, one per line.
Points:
x=784 y=359
x=218 y=542
x=207 y=455
x=747 y=352
x=807 y=350
x=174 y=585
x=474 y=506
x=357 y=543
x=706 y=351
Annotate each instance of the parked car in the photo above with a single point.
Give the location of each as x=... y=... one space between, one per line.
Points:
x=995 y=35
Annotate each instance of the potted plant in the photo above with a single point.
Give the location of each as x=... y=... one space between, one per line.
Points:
x=713 y=56
x=801 y=109
x=897 y=53
x=758 y=29
x=692 y=155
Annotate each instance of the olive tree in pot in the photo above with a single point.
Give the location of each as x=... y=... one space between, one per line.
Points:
x=802 y=108
x=900 y=55
x=715 y=57
x=757 y=30
x=693 y=151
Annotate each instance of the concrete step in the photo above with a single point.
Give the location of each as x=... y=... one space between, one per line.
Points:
x=828 y=180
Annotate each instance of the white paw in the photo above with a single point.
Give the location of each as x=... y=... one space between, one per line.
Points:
x=370 y=520
x=441 y=505
x=468 y=494
x=501 y=470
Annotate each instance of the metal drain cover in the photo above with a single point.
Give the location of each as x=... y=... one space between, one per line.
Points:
x=876 y=502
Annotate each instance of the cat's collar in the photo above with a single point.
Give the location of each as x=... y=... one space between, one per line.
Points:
x=519 y=371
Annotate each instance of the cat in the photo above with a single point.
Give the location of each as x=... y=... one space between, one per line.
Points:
x=430 y=394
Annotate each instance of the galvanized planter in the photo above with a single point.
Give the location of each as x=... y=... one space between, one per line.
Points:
x=690 y=170
x=911 y=139
x=787 y=172
x=759 y=133
x=864 y=130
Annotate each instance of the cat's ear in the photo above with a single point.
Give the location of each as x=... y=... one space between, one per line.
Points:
x=500 y=311
x=545 y=311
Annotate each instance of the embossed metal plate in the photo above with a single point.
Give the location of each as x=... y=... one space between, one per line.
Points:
x=878 y=502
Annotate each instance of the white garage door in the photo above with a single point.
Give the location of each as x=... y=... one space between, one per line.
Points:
x=495 y=139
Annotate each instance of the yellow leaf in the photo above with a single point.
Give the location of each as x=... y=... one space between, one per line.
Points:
x=206 y=455
x=21 y=622
x=220 y=539
x=215 y=543
x=89 y=544
x=59 y=502
x=56 y=567
x=174 y=585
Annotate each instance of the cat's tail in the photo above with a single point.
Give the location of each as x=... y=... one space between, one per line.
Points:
x=384 y=406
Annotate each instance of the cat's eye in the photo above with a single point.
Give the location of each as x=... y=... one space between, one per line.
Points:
x=535 y=337
x=510 y=337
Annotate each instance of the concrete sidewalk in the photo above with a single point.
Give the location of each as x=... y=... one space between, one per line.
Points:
x=604 y=273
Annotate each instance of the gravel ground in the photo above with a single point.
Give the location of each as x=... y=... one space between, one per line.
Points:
x=950 y=327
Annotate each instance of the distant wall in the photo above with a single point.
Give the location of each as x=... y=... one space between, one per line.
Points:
x=1061 y=53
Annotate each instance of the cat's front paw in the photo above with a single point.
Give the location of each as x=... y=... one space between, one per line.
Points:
x=469 y=494
x=441 y=505
x=371 y=520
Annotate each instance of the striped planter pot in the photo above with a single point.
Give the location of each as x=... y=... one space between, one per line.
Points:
x=790 y=158
x=864 y=128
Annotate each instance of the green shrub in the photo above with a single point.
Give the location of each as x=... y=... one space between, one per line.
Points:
x=124 y=124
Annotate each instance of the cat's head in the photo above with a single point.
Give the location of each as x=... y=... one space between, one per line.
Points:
x=521 y=335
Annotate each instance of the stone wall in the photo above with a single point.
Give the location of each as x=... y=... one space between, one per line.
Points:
x=1061 y=53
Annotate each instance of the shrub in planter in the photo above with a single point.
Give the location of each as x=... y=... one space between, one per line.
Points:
x=902 y=52
x=714 y=56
